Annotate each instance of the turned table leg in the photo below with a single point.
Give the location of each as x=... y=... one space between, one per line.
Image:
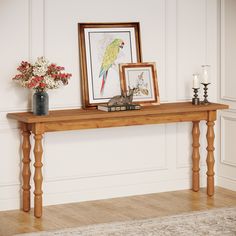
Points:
x=38 y=177
x=26 y=167
x=195 y=156
x=210 y=153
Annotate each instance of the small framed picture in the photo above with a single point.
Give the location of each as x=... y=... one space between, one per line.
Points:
x=142 y=77
x=103 y=46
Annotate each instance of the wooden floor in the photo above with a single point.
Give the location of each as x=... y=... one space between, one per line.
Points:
x=117 y=209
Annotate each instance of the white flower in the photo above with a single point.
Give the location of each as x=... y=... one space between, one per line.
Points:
x=39 y=71
x=40 y=66
x=23 y=83
x=41 y=61
x=51 y=82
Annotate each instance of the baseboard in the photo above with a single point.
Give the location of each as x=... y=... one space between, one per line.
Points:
x=10 y=198
x=10 y=204
x=226 y=183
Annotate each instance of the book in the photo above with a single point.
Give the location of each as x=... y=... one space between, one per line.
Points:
x=128 y=107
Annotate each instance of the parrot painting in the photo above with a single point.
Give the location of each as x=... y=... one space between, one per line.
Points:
x=110 y=55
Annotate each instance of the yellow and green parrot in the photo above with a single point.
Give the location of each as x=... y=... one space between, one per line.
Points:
x=109 y=57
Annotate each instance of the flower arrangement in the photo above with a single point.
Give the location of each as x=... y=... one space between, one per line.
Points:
x=42 y=75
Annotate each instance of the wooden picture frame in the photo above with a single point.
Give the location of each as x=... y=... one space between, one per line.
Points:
x=103 y=46
x=142 y=77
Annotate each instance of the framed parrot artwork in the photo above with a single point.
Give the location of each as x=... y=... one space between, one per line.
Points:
x=103 y=46
x=142 y=78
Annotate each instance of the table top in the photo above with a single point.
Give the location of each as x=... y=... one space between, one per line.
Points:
x=81 y=114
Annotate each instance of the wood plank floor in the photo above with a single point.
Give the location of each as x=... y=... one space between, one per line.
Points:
x=117 y=209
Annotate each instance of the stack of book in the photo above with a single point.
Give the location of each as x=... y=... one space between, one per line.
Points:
x=127 y=107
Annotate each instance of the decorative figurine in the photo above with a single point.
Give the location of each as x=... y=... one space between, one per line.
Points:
x=121 y=102
x=123 y=99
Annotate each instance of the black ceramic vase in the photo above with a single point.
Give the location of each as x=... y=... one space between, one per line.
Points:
x=40 y=103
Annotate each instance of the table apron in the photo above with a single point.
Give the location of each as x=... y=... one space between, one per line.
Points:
x=121 y=121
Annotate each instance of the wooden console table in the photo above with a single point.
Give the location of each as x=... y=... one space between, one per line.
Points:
x=77 y=119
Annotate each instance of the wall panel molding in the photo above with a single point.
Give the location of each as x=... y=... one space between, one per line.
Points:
x=187 y=25
x=170 y=50
x=226 y=93
x=225 y=177
x=124 y=171
x=225 y=182
x=105 y=174
x=223 y=118
x=37 y=29
x=165 y=49
x=10 y=169
x=5 y=127
x=14 y=45
x=181 y=145
x=224 y=42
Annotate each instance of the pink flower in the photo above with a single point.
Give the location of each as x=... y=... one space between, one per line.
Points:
x=37 y=79
x=17 y=77
x=60 y=68
x=42 y=85
x=24 y=66
x=32 y=84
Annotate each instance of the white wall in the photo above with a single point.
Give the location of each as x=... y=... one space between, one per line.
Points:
x=227 y=94
x=179 y=35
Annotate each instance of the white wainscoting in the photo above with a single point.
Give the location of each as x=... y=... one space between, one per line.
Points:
x=227 y=165
x=227 y=160
x=228 y=50
x=179 y=35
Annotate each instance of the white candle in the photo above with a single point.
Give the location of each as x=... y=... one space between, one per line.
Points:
x=196 y=83
x=205 y=76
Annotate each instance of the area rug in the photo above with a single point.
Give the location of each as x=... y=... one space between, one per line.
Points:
x=212 y=222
